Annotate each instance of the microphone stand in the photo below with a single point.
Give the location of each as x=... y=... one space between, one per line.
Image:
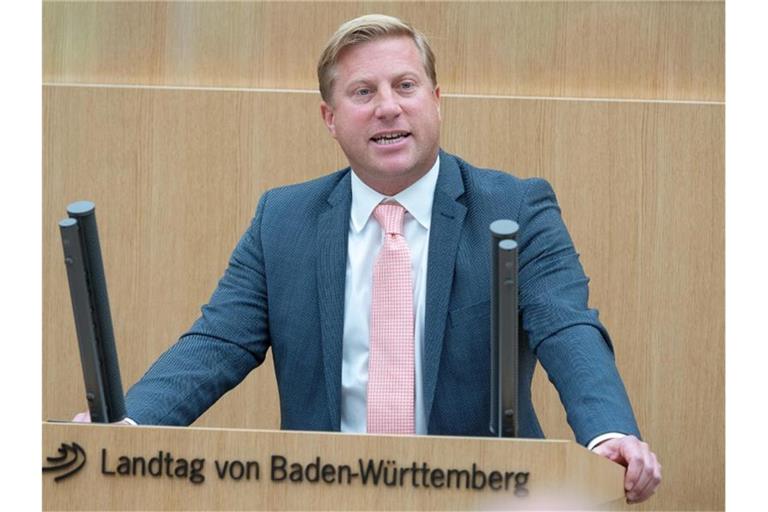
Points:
x=504 y=329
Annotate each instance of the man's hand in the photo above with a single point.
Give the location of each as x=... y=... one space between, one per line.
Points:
x=82 y=417
x=643 y=470
x=85 y=417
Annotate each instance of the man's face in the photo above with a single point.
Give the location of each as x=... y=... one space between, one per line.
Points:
x=385 y=113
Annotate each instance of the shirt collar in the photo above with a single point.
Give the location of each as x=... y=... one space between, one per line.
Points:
x=416 y=199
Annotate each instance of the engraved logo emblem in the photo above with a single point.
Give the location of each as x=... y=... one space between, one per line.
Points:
x=70 y=460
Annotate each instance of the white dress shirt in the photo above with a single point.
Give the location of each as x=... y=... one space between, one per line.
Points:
x=365 y=240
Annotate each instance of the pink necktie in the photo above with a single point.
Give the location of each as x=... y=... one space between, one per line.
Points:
x=390 y=359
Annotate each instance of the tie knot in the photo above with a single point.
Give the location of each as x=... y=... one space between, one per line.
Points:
x=390 y=216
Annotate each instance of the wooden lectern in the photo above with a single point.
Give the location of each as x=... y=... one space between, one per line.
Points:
x=105 y=467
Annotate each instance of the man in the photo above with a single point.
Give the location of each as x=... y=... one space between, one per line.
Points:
x=385 y=328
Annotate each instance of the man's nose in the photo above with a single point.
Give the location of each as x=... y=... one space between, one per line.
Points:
x=388 y=105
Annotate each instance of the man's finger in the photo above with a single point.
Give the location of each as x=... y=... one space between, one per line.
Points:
x=649 y=481
x=657 y=470
x=82 y=417
x=654 y=479
x=635 y=463
x=643 y=487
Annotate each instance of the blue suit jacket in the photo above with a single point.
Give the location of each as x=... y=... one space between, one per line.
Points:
x=284 y=289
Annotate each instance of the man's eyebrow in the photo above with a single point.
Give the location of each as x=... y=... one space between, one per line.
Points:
x=370 y=78
x=363 y=80
x=410 y=75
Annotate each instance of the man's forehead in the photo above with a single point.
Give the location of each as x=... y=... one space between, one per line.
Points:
x=353 y=61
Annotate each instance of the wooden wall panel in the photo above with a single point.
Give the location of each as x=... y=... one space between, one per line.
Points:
x=176 y=175
x=661 y=50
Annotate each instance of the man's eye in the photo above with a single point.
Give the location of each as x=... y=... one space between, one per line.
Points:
x=407 y=85
x=363 y=92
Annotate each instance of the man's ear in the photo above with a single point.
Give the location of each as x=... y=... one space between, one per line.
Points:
x=436 y=93
x=329 y=118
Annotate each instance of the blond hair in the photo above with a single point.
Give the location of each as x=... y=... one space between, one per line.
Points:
x=362 y=30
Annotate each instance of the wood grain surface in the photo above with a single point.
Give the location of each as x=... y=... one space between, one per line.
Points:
x=662 y=50
x=560 y=473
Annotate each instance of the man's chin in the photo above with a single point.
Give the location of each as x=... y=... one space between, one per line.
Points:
x=399 y=165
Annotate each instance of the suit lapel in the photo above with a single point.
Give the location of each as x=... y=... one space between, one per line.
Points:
x=333 y=230
x=445 y=231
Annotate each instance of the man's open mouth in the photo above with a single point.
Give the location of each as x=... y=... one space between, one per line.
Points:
x=390 y=138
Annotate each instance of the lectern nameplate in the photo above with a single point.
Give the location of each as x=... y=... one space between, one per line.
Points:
x=166 y=468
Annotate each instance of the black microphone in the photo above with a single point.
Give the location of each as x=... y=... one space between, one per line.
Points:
x=93 y=320
x=504 y=329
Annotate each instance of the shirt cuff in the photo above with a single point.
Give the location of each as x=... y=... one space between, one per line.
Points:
x=604 y=437
x=130 y=421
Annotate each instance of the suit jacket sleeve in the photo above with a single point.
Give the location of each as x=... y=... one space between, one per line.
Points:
x=228 y=341
x=567 y=337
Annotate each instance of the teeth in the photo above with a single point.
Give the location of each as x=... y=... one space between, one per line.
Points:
x=390 y=138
